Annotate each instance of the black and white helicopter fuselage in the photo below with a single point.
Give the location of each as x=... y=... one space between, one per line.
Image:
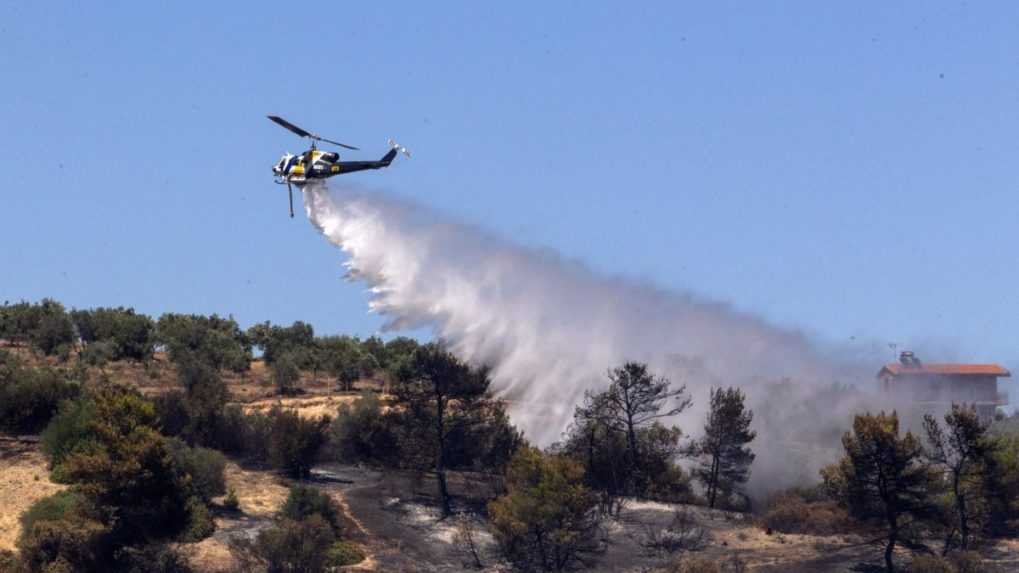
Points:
x=317 y=165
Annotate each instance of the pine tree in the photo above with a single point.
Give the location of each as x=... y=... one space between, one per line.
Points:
x=722 y=452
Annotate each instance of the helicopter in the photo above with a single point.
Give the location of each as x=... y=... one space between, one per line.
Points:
x=315 y=165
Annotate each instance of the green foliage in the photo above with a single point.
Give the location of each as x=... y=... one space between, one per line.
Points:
x=962 y=451
x=344 y=359
x=122 y=465
x=882 y=477
x=286 y=374
x=294 y=442
x=48 y=327
x=295 y=546
x=153 y=558
x=440 y=403
x=298 y=340
x=74 y=543
x=303 y=502
x=30 y=397
x=172 y=413
x=617 y=436
x=205 y=397
x=199 y=521
x=211 y=340
x=57 y=507
x=122 y=333
x=1000 y=486
x=362 y=432
x=722 y=453
x=344 y=553
x=201 y=468
x=99 y=354
x=548 y=518
x=231 y=503
x=68 y=430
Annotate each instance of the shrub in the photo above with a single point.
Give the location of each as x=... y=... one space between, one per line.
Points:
x=790 y=513
x=151 y=559
x=547 y=519
x=98 y=354
x=968 y=562
x=212 y=340
x=67 y=430
x=360 y=432
x=63 y=505
x=204 y=466
x=231 y=503
x=930 y=564
x=294 y=442
x=295 y=546
x=344 y=553
x=71 y=544
x=303 y=502
x=696 y=565
x=29 y=398
x=172 y=413
x=199 y=521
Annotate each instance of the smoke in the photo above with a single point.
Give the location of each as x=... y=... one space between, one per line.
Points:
x=550 y=329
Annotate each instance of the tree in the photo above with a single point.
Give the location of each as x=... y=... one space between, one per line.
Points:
x=437 y=394
x=286 y=374
x=723 y=456
x=635 y=399
x=882 y=477
x=961 y=454
x=343 y=358
x=212 y=340
x=129 y=335
x=205 y=396
x=548 y=518
x=294 y=442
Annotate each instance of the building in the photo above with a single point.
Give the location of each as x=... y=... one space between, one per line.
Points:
x=934 y=388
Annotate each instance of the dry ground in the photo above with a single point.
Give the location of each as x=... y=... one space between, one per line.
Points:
x=24 y=479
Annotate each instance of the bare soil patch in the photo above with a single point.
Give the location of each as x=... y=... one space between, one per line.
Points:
x=24 y=479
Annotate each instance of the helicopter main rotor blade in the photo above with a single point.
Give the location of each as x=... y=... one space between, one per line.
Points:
x=336 y=143
x=287 y=125
x=290 y=190
x=305 y=133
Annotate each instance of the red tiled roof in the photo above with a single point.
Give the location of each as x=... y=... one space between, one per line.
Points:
x=897 y=369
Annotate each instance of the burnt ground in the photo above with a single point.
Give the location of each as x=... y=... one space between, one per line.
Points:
x=398 y=522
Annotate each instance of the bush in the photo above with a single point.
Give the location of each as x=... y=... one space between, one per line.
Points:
x=231 y=503
x=172 y=413
x=151 y=559
x=304 y=502
x=98 y=354
x=295 y=546
x=199 y=521
x=968 y=562
x=204 y=467
x=67 y=430
x=71 y=544
x=930 y=564
x=294 y=442
x=548 y=519
x=63 y=505
x=344 y=553
x=790 y=513
x=360 y=432
x=696 y=565
x=29 y=398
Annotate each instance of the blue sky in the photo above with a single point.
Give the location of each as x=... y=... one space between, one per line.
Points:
x=848 y=171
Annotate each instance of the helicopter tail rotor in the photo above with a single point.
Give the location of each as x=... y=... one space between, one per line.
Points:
x=393 y=144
